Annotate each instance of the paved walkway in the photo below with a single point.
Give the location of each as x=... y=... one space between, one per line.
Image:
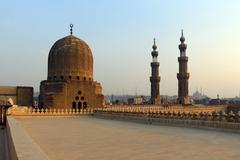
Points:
x=2 y=144
x=88 y=138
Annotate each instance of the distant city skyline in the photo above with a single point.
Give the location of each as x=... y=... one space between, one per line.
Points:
x=120 y=34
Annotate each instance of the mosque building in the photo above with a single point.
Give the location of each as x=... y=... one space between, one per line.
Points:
x=70 y=82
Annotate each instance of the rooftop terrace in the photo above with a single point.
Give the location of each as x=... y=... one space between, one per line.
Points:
x=89 y=138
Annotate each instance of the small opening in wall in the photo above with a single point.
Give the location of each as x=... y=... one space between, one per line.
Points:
x=89 y=79
x=62 y=77
x=78 y=78
x=84 y=78
x=70 y=77
x=79 y=92
x=82 y=98
x=76 y=98
x=55 y=77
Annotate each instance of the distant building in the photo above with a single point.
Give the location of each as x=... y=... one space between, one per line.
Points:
x=136 y=101
x=198 y=95
x=70 y=82
x=218 y=101
x=20 y=95
x=200 y=98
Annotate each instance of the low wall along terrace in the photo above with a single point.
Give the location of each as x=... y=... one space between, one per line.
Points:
x=176 y=108
x=20 y=144
x=206 y=117
x=25 y=111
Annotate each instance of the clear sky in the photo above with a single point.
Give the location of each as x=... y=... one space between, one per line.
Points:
x=120 y=34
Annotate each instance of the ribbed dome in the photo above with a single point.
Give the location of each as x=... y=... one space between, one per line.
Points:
x=70 y=58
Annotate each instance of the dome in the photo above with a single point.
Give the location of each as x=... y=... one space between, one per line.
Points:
x=70 y=58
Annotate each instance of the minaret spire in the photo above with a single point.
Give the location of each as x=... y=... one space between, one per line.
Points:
x=71 y=28
x=183 y=74
x=155 y=78
x=154 y=47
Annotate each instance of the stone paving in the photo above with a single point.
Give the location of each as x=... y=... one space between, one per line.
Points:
x=88 y=138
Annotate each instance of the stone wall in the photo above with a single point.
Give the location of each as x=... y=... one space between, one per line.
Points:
x=20 y=95
x=24 y=96
x=175 y=108
x=218 y=120
x=11 y=148
x=21 y=146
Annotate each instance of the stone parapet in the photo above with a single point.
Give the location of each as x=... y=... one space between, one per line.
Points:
x=210 y=120
x=21 y=146
x=24 y=111
x=174 y=108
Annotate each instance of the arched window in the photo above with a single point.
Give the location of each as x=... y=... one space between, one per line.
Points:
x=79 y=92
x=79 y=105
x=74 y=105
x=84 y=105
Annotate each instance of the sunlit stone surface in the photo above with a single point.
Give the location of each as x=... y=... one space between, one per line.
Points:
x=88 y=138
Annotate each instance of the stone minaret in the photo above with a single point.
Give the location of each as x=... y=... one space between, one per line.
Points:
x=183 y=74
x=155 y=78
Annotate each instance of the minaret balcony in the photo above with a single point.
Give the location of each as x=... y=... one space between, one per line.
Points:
x=154 y=64
x=155 y=79
x=180 y=59
x=183 y=75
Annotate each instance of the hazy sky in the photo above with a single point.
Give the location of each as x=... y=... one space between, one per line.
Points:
x=120 y=34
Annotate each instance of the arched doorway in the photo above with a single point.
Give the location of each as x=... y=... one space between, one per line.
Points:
x=74 y=105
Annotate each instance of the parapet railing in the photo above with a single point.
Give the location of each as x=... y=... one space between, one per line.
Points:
x=24 y=111
x=177 y=114
x=177 y=108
